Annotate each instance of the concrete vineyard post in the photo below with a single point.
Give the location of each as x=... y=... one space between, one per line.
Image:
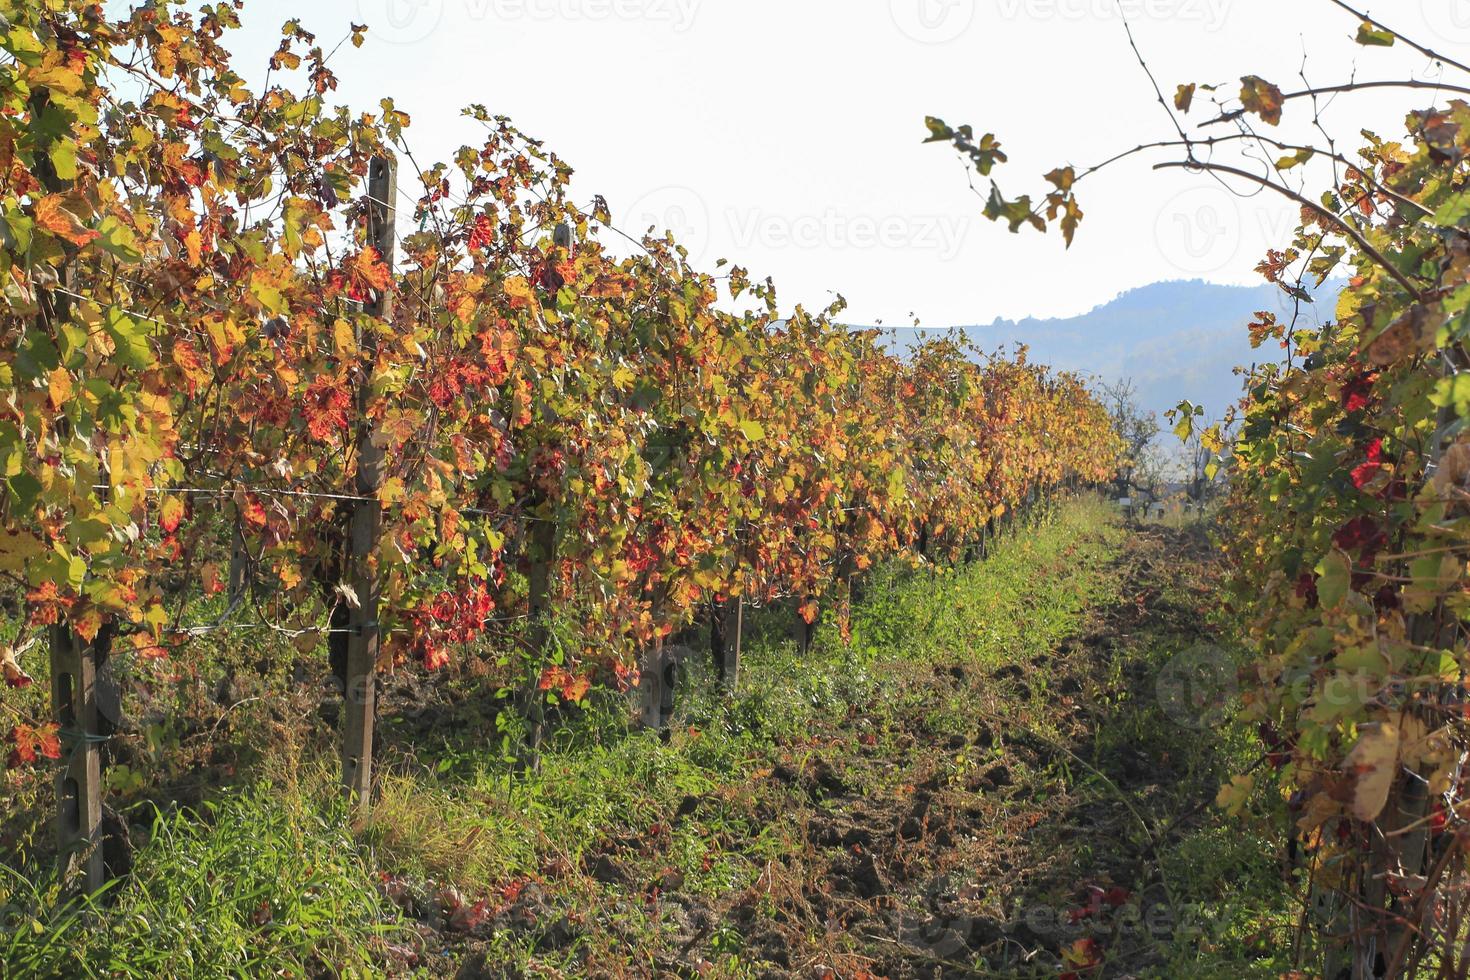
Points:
x=653 y=677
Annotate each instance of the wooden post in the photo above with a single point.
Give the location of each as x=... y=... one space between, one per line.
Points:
x=79 y=784
x=541 y=552
x=1400 y=842
x=360 y=696
x=73 y=661
x=669 y=686
x=726 y=637
x=717 y=613
x=540 y=537
x=239 y=568
x=802 y=632
x=726 y=619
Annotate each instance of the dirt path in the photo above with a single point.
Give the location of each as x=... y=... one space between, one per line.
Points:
x=1020 y=819
x=1002 y=849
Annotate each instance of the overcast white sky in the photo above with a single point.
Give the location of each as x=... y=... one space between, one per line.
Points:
x=786 y=134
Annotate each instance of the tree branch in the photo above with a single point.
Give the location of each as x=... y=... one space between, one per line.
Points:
x=1213 y=141
x=1428 y=52
x=1345 y=87
x=1363 y=244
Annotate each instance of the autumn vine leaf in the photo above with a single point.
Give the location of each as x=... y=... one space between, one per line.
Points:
x=1371 y=36
x=1262 y=98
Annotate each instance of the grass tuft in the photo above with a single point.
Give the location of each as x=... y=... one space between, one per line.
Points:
x=256 y=884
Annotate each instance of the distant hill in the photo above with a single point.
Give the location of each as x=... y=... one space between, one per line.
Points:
x=1177 y=340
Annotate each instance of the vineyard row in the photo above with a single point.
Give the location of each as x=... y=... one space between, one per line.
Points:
x=412 y=443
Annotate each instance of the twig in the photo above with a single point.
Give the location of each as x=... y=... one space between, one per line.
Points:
x=1345 y=87
x=1367 y=247
x=1428 y=52
x=1168 y=110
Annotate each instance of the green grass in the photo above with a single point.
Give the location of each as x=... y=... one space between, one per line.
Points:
x=1012 y=608
x=258 y=884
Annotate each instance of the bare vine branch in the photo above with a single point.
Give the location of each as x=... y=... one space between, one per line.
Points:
x=1428 y=52
x=1367 y=247
x=1412 y=83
